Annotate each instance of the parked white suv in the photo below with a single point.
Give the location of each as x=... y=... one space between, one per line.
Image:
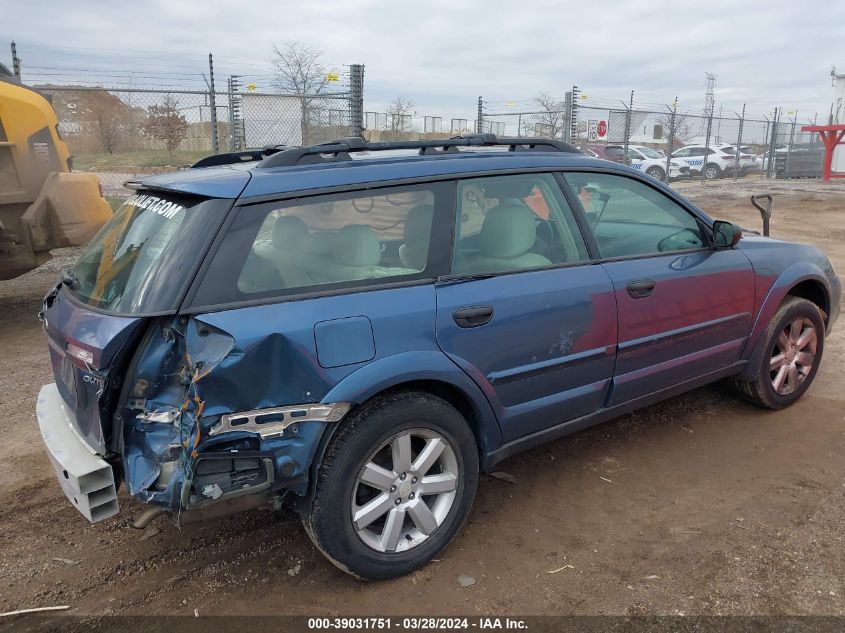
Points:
x=718 y=163
x=747 y=160
x=648 y=160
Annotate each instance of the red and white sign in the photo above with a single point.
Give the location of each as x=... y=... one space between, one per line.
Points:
x=601 y=130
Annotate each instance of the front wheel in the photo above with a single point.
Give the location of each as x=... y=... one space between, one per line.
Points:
x=394 y=486
x=794 y=346
x=655 y=172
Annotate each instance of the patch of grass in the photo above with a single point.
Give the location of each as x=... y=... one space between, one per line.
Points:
x=146 y=158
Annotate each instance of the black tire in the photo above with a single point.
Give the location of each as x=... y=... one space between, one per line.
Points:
x=761 y=390
x=655 y=172
x=327 y=516
x=712 y=171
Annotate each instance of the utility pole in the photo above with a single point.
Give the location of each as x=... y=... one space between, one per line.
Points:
x=215 y=144
x=479 y=121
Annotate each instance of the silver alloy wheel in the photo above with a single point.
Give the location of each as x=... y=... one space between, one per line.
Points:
x=793 y=356
x=405 y=490
x=710 y=172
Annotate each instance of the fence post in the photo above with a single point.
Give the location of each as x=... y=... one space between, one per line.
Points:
x=16 y=62
x=356 y=99
x=789 y=148
x=628 y=110
x=738 y=143
x=706 y=145
x=479 y=121
x=670 y=142
x=770 y=163
x=568 y=114
x=215 y=145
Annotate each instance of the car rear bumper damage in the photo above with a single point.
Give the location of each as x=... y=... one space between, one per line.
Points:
x=86 y=479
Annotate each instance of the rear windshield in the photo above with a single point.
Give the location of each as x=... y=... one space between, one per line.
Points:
x=140 y=259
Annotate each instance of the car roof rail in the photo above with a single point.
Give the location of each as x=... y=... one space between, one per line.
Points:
x=244 y=156
x=340 y=149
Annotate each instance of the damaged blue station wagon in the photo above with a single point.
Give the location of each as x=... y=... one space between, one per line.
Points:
x=363 y=337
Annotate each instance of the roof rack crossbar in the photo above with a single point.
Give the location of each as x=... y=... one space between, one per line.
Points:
x=340 y=149
x=245 y=156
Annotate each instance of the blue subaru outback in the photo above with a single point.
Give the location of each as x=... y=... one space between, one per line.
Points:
x=361 y=328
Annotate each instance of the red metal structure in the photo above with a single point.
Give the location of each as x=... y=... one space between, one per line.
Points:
x=831 y=136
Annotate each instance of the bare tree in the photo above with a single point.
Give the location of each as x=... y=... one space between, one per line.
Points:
x=552 y=116
x=683 y=129
x=399 y=116
x=166 y=123
x=299 y=71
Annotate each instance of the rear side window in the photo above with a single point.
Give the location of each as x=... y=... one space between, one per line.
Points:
x=319 y=243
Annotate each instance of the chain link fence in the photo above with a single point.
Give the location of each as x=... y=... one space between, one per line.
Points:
x=124 y=133
x=642 y=136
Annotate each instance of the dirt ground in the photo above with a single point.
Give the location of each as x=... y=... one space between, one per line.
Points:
x=700 y=505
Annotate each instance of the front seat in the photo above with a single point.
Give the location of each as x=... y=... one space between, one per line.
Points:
x=414 y=252
x=507 y=235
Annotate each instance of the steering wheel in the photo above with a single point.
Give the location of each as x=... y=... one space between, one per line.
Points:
x=680 y=240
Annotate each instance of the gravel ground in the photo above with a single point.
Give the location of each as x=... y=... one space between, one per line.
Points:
x=700 y=505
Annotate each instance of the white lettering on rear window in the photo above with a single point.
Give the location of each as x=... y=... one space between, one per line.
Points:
x=156 y=205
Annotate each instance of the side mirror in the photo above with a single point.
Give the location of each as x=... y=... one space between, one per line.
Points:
x=726 y=234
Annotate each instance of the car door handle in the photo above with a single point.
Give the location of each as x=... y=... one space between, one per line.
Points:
x=640 y=288
x=473 y=316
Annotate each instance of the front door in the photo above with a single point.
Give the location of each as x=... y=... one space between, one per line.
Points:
x=524 y=312
x=684 y=307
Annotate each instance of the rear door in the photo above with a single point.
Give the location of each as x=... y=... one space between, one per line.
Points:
x=684 y=307
x=524 y=312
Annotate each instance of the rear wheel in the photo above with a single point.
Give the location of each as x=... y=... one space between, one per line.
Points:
x=394 y=487
x=794 y=346
x=712 y=171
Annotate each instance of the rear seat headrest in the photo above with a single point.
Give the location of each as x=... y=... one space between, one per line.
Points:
x=357 y=245
x=509 y=230
x=289 y=233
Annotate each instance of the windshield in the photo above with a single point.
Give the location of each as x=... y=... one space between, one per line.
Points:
x=650 y=153
x=139 y=260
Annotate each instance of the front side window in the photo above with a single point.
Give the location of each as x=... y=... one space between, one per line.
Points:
x=629 y=219
x=324 y=242
x=507 y=223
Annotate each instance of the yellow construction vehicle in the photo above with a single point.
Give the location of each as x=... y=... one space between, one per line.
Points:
x=42 y=204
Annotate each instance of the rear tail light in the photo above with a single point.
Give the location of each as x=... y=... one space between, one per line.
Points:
x=77 y=352
x=728 y=157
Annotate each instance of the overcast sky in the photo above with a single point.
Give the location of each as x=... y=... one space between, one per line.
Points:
x=444 y=54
